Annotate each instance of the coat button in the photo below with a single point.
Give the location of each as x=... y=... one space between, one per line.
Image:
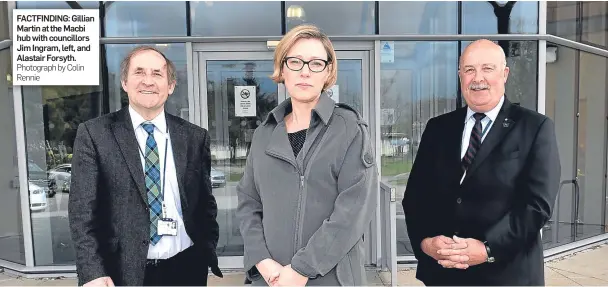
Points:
x=368 y=158
x=459 y=200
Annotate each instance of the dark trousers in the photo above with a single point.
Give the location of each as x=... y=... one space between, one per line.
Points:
x=183 y=269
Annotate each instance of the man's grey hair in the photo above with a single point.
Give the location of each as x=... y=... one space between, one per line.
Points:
x=126 y=62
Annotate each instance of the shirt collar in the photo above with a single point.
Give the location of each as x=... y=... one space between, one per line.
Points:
x=159 y=121
x=492 y=114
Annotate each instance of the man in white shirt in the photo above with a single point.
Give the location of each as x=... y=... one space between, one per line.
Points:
x=483 y=184
x=141 y=207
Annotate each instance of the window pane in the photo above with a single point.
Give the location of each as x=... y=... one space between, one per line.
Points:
x=177 y=104
x=420 y=84
x=594 y=23
x=4 y=29
x=212 y=18
x=522 y=60
x=418 y=17
x=561 y=19
x=514 y=17
x=57 y=4
x=591 y=145
x=149 y=18
x=334 y=18
x=560 y=106
x=11 y=231
x=52 y=115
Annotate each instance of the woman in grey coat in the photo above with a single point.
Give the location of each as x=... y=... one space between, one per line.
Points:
x=309 y=188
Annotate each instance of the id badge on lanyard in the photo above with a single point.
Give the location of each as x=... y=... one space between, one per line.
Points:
x=166 y=225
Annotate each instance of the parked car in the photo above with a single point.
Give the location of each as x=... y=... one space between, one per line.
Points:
x=41 y=178
x=38 y=195
x=218 y=178
x=62 y=176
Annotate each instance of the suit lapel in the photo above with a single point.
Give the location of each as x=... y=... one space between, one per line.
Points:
x=125 y=137
x=453 y=142
x=500 y=128
x=179 y=144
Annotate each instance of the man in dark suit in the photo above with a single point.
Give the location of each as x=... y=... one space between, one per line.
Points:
x=483 y=184
x=141 y=207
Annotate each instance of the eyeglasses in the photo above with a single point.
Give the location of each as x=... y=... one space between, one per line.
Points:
x=296 y=64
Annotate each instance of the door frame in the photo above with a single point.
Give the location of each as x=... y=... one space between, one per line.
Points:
x=363 y=50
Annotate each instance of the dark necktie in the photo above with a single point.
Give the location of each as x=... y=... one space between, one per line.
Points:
x=474 y=142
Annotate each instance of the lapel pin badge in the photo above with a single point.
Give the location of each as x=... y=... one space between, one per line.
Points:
x=506 y=123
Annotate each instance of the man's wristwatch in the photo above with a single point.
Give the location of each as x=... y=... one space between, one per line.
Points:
x=490 y=258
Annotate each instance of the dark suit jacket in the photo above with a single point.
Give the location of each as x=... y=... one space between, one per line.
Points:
x=108 y=210
x=505 y=199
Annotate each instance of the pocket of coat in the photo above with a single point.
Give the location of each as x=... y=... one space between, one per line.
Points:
x=350 y=269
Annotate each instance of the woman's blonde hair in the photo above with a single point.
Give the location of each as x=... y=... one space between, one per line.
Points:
x=304 y=32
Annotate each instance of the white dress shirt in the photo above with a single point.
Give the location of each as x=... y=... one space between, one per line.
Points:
x=168 y=246
x=486 y=125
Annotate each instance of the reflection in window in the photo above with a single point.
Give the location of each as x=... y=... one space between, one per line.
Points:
x=213 y=18
x=561 y=19
x=594 y=22
x=11 y=231
x=4 y=27
x=499 y=17
x=591 y=154
x=333 y=18
x=421 y=83
x=149 y=18
x=522 y=60
x=52 y=115
x=177 y=103
x=418 y=17
x=561 y=108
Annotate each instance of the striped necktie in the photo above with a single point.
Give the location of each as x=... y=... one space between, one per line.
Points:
x=152 y=176
x=474 y=142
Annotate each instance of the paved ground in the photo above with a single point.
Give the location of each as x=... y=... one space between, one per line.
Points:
x=585 y=268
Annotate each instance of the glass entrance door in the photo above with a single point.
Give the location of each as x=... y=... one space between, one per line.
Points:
x=236 y=96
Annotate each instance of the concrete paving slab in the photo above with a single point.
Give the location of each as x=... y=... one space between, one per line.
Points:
x=589 y=263
x=586 y=268
x=407 y=277
x=230 y=279
x=4 y=277
x=583 y=280
x=553 y=278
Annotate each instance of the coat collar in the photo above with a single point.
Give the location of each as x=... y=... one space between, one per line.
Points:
x=323 y=110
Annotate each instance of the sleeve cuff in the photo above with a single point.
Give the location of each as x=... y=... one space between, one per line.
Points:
x=303 y=269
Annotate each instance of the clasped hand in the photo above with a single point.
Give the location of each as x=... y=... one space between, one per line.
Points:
x=455 y=252
x=277 y=275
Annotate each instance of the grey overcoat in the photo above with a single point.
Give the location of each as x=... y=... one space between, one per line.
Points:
x=309 y=211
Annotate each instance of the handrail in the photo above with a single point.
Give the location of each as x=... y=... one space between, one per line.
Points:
x=574 y=227
x=387 y=187
x=5 y=44
x=389 y=230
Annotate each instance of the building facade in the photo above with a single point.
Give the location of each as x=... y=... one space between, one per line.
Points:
x=398 y=64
